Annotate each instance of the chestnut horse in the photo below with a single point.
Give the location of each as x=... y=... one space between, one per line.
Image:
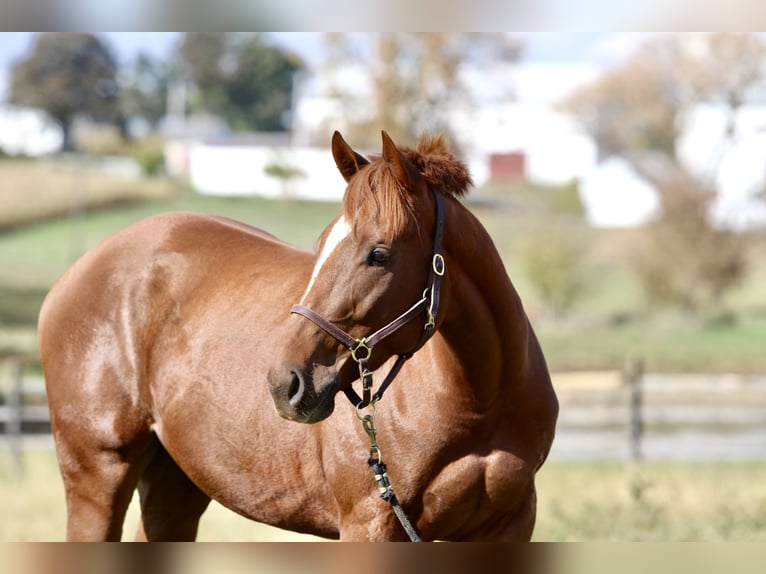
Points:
x=167 y=347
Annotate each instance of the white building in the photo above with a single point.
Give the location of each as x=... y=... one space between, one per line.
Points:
x=29 y=132
x=231 y=169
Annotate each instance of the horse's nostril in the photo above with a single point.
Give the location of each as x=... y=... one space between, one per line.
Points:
x=295 y=392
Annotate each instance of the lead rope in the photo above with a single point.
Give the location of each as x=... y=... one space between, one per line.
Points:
x=381 y=474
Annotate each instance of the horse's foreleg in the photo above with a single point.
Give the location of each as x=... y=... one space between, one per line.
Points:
x=171 y=504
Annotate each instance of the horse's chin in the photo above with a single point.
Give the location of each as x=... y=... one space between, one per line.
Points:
x=315 y=416
x=316 y=411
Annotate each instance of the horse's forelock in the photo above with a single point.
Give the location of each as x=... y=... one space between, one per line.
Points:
x=389 y=204
x=374 y=195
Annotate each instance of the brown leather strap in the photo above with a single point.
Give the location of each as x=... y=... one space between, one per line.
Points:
x=339 y=334
x=397 y=323
x=438 y=265
x=370 y=341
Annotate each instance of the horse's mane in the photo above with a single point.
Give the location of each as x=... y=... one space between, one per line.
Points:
x=375 y=193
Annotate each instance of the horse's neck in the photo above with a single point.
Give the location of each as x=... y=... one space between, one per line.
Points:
x=484 y=323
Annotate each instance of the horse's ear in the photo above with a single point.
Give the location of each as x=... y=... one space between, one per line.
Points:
x=348 y=161
x=396 y=161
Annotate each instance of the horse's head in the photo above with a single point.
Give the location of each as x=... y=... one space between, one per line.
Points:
x=373 y=263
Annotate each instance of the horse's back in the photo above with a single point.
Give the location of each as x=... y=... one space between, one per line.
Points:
x=100 y=320
x=131 y=255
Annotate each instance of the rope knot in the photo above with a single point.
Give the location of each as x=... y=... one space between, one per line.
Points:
x=381 y=476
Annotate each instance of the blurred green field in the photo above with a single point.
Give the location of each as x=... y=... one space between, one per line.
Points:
x=583 y=501
x=36 y=255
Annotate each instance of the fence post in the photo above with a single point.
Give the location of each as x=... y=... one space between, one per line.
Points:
x=633 y=376
x=15 y=406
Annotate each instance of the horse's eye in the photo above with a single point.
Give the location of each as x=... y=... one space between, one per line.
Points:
x=378 y=257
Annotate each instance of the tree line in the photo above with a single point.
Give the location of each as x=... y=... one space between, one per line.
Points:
x=248 y=81
x=242 y=78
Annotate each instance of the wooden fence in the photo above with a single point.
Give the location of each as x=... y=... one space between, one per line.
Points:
x=24 y=415
x=631 y=415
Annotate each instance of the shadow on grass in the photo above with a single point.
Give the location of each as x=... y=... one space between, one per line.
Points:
x=20 y=306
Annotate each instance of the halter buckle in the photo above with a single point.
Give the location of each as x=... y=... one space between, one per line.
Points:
x=366 y=377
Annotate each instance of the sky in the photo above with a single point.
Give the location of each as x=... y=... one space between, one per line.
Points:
x=540 y=46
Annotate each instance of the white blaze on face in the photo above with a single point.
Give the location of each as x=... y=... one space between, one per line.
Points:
x=338 y=233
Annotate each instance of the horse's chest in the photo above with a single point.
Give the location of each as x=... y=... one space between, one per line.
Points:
x=476 y=493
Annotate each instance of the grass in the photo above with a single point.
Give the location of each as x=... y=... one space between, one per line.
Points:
x=19 y=304
x=678 y=347
x=35 y=255
x=576 y=501
x=708 y=501
x=34 y=509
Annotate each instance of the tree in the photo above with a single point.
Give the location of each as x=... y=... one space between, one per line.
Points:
x=67 y=74
x=143 y=89
x=241 y=78
x=415 y=80
x=640 y=105
x=733 y=68
x=637 y=111
x=202 y=55
x=634 y=108
x=552 y=261
x=260 y=86
x=684 y=260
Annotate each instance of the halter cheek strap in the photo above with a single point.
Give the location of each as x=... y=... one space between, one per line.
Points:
x=361 y=349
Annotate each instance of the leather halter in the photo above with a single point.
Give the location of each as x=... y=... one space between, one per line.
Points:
x=361 y=349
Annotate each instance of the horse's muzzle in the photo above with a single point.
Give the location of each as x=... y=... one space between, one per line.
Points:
x=303 y=397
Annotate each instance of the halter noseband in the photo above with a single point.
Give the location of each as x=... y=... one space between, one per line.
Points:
x=361 y=349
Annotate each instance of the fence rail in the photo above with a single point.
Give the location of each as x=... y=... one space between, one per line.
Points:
x=660 y=416
x=24 y=415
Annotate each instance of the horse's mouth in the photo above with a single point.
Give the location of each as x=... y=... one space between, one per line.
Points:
x=323 y=408
x=313 y=408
